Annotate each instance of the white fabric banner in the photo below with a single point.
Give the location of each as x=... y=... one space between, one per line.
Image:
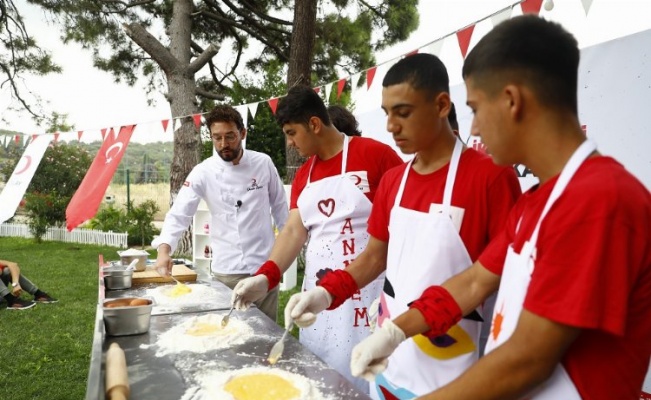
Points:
x=17 y=184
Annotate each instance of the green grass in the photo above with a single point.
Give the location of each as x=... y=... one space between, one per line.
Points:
x=45 y=351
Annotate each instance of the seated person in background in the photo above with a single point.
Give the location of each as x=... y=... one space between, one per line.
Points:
x=344 y=120
x=10 y=274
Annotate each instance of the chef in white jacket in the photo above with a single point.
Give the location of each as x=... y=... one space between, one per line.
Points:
x=243 y=191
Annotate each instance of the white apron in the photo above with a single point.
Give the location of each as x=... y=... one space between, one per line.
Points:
x=514 y=284
x=335 y=213
x=425 y=249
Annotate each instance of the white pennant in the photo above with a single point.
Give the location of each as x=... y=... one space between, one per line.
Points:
x=244 y=112
x=253 y=108
x=586 y=5
x=17 y=184
x=354 y=80
x=434 y=48
x=328 y=91
x=501 y=16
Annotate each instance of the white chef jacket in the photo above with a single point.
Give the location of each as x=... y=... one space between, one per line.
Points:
x=241 y=199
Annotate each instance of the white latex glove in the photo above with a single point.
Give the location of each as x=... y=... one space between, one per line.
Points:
x=369 y=357
x=249 y=290
x=303 y=307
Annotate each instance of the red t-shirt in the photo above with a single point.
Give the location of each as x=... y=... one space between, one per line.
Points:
x=367 y=161
x=484 y=190
x=592 y=271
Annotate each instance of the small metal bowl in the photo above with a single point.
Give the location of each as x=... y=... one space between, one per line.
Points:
x=121 y=319
x=117 y=278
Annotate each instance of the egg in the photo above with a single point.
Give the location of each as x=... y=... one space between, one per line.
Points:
x=139 y=302
x=117 y=303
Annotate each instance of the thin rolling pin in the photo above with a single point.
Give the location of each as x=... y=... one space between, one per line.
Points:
x=117 y=380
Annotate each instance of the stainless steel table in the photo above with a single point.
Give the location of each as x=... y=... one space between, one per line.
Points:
x=169 y=376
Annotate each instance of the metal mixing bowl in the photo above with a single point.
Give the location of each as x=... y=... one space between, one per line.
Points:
x=117 y=278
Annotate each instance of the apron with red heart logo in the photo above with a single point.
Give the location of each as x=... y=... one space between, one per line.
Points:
x=335 y=213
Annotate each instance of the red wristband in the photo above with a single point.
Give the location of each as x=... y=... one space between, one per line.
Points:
x=271 y=270
x=439 y=309
x=340 y=284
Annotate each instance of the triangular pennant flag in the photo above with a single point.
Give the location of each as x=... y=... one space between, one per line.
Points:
x=328 y=91
x=17 y=139
x=317 y=89
x=586 y=5
x=25 y=140
x=463 y=36
x=165 y=122
x=273 y=103
x=56 y=137
x=370 y=74
x=341 y=84
x=501 y=16
x=434 y=48
x=103 y=132
x=411 y=53
x=531 y=6
x=253 y=108
x=34 y=137
x=176 y=124
x=79 y=135
x=197 y=120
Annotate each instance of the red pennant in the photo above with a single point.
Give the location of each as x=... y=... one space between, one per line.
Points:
x=17 y=139
x=79 y=134
x=86 y=200
x=463 y=36
x=56 y=137
x=316 y=89
x=165 y=122
x=531 y=6
x=340 y=86
x=370 y=74
x=411 y=53
x=273 y=103
x=35 y=136
x=103 y=132
x=197 y=120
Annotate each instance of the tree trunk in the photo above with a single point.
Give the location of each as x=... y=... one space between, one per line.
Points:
x=300 y=63
x=181 y=89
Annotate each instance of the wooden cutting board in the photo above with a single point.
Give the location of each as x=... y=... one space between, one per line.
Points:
x=179 y=271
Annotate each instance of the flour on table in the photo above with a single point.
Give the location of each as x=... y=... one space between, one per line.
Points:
x=171 y=295
x=219 y=384
x=202 y=334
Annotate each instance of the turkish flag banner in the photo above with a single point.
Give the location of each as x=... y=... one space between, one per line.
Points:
x=86 y=200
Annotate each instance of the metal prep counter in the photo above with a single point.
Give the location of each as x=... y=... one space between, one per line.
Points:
x=170 y=376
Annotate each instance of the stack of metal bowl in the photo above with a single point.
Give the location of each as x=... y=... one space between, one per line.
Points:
x=116 y=278
x=121 y=318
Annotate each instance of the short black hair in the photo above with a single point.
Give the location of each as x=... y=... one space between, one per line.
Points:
x=425 y=72
x=530 y=50
x=224 y=113
x=452 y=117
x=299 y=105
x=344 y=120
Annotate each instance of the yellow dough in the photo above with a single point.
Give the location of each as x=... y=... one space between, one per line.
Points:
x=179 y=290
x=261 y=386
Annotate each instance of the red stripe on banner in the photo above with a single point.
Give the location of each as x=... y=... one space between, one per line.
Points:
x=463 y=36
x=531 y=6
x=341 y=84
x=86 y=200
x=273 y=103
x=370 y=74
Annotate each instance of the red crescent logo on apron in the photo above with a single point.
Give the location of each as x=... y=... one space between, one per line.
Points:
x=327 y=207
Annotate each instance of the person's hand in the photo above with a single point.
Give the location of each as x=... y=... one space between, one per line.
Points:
x=16 y=290
x=369 y=357
x=303 y=307
x=249 y=290
x=164 y=264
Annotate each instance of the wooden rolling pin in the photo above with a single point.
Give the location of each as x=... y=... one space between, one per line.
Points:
x=117 y=380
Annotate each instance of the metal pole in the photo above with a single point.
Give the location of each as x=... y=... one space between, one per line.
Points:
x=128 y=194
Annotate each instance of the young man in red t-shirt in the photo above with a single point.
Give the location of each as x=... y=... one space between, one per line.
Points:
x=573 y=264
x=331 y=199
x=431 y=218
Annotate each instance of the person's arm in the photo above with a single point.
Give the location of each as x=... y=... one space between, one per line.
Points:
x=14 y=270
x=516 y=367
x=370 y=263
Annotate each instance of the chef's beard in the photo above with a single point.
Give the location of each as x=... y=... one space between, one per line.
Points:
x=234 y=153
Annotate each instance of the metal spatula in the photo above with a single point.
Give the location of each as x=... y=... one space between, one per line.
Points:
x=278 y=348
x=225 y=319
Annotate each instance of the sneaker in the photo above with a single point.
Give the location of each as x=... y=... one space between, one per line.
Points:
x=45 y=298
x=21 y=304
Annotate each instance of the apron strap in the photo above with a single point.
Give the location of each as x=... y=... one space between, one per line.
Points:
x=344 y=160
x=401 y=188
x=452 y=174
x=579 y=156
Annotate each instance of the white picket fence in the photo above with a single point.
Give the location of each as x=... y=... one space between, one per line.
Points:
x=78 y=235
